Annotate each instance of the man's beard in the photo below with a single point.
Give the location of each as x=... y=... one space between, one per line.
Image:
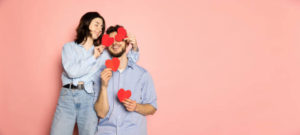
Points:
x=117 y=54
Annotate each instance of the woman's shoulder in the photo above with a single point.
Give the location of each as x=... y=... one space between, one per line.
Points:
x=70 y=45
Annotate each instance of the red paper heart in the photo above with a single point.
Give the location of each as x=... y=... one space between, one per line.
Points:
x=114 y=63
x=119 y=37
x=106 y=40
x=122 y=94
x=122 y=31
x=121 y=34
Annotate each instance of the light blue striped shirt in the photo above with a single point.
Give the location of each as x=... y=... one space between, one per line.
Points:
x=79 y=64
x=118 y=120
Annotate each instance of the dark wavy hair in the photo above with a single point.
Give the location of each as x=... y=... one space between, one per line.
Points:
x=83 y=30
x=111 y=29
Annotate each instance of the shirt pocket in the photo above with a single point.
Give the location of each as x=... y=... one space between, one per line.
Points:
x=136 y=94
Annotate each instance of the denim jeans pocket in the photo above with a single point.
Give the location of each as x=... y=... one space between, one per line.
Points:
x=63 y=92
x=90 y=97
x=64 y=96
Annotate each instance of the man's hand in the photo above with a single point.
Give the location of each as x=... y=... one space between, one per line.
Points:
x=98 y=50
x=144 y=109
x=131 y=40
x=105 y=77
x=101 y=105
x=130 y=105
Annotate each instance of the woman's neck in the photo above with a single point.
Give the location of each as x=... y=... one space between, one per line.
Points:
x=88 y=43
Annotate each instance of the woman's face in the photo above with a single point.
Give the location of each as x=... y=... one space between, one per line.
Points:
x=96 y=27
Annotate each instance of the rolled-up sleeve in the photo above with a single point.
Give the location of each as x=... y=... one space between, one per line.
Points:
x=133 y=56
x=148 y=91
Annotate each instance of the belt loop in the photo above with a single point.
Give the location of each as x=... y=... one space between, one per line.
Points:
x=70 y=85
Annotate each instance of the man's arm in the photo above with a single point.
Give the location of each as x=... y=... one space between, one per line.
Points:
x=144 y=109
x=101 y=105
x=148 y=106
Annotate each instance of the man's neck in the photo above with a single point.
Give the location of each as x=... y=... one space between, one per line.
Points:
x=123 y=62
x=88 y=43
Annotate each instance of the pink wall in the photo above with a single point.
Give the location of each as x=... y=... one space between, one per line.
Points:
x=220 y=67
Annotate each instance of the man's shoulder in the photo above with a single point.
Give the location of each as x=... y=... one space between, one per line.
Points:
x=140 y=69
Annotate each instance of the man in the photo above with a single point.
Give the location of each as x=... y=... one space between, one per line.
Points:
x=126 y=117
x=81 y=59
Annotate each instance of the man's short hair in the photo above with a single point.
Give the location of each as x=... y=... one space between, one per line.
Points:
x=113 y=29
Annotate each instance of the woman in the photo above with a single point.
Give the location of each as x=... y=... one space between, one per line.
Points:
x=81 y=59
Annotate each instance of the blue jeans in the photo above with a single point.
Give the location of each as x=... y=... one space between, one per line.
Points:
x=75 y=106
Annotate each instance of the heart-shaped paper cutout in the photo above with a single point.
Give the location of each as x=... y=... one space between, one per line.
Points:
x=106 y=40
x=121 y=34
x=114 y=63
x=122 y=31
x=119 y=37
x=122 y=94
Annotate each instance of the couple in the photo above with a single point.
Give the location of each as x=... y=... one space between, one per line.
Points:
x=88 y=96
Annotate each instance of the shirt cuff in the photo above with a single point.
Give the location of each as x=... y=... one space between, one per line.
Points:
x=137 y=50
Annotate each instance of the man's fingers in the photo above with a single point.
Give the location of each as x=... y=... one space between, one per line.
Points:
x=106 y=76
x=129 y=109
x=126 y=103
x=107 y=70
x=129 y=100
x=104 y=73
x=107 y=73
x=129 y=103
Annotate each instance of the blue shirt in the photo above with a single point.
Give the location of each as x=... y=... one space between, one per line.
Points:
x=118 y=120
x=80 y=65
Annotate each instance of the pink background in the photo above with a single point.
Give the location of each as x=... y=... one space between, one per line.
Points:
x=220 y=67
